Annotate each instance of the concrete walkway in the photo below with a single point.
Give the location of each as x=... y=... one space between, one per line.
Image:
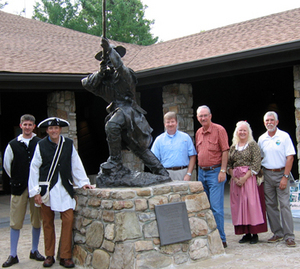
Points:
x=260 y=255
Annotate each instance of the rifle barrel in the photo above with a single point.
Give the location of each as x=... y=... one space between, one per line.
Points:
x=104 y=18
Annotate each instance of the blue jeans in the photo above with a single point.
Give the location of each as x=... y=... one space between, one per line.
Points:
x=215 y=193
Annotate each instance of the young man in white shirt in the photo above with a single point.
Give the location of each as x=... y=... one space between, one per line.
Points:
x=17 y=158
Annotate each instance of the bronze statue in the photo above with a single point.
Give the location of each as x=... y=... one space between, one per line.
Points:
x=126 y=124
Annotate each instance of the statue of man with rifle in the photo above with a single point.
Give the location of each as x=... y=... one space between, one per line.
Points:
x=126 y=124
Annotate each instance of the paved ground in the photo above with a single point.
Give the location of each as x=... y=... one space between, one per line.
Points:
x=24 y=245
x=261 y=255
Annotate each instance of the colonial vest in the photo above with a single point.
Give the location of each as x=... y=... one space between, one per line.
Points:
x=20 y=164
x=47 y=150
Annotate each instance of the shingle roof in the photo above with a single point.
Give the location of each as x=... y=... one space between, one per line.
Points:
x=30 y=46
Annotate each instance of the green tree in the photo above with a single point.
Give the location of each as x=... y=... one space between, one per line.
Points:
x=58 y=12
x=2 y=5
x=125 y=20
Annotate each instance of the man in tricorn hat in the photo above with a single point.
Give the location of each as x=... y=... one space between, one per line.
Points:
x=126 y=123
x=57 y=166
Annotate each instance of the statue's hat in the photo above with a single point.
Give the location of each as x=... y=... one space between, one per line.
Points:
x=119 y=49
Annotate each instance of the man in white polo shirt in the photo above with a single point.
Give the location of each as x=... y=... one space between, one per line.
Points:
x=277 y=153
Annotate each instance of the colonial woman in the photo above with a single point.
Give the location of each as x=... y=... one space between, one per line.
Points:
x=246 y=194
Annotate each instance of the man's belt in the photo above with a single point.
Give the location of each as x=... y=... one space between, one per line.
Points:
x=210 y=167
x=177 y=168
x=275 y=170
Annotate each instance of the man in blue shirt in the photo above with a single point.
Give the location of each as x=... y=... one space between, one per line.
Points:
x=175 y=150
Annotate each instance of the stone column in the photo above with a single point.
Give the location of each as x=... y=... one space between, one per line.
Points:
x=131 y=161
x=179 y=98
x=297 y=108
x=62 y=105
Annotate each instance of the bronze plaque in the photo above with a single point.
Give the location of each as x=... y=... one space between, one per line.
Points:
x=173 y=223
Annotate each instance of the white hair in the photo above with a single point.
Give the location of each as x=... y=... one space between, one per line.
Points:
x=271 y=113
x=201 y=107
x=235 y=139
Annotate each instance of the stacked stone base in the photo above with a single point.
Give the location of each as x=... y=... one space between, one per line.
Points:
x=117 y=228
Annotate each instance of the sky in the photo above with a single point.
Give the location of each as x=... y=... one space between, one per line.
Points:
x=174 y=18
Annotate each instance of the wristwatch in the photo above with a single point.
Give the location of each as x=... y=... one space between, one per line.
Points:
x=223 y=171
x=189 y=174
x=286 y=176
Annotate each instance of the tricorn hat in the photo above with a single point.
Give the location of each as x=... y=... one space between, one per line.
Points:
x=119 y=49
x=53 y=121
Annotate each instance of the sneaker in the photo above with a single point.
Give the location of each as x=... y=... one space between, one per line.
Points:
x=36 y=256
x=290 y=242
x=10 y=261
x=275 y=238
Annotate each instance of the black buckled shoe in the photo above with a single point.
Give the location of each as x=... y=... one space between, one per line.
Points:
x=36 y=256
x=10 y=261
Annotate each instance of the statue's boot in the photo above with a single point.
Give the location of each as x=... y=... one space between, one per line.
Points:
x=152 y=162
x=112 y=163
x=113 y=137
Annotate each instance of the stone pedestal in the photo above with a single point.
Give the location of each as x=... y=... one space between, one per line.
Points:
x=117 y=227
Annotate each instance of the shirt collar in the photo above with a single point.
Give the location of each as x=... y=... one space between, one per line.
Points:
x=276 y=133
x=208 y=130
x=173 y=134
x=245 y=146
x=60 y=137
x=21 y=138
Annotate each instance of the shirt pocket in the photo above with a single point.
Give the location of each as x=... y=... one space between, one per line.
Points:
x=213 y=145
x=199 y=142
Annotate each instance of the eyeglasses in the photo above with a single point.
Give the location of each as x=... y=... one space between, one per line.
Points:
x=203 y=116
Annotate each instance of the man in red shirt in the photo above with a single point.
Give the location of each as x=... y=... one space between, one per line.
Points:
x=212 y=148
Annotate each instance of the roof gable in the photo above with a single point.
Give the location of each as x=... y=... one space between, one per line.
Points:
x=266 y=31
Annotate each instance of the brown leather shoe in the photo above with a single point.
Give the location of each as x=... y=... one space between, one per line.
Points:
x=290 y=242
x=68 y=263
x=275 y=238
x=224 y=244
x=49 y=261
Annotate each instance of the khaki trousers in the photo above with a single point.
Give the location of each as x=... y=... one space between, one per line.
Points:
x=49 y=232
x=18 y=207
x=278 y=205
x=177 y=175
